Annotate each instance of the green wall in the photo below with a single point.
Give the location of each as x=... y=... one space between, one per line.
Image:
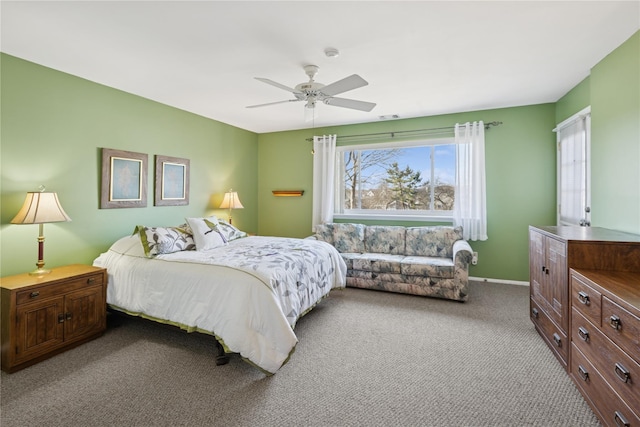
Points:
x=53 y=125
x=575 y=100
x=520 y=163
x=520 y=160
x=52 y=128
x=615 y=139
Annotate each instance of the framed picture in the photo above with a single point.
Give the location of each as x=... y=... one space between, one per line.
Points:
x=124 y=179
x=172 y=181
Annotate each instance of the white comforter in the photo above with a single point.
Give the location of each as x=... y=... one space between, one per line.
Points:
x=249 y=293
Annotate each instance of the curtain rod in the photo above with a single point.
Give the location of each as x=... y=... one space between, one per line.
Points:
x=418 y=131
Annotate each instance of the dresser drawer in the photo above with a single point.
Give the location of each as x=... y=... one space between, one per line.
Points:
x=611 y=410
x=618 y=369
x=585 y=298
x=622 y=327
x=556 y=339
x=37 y=293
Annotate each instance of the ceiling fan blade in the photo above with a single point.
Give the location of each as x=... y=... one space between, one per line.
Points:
x=273 y=103
x=276 y=84
x=350 y=103
x=354 y=81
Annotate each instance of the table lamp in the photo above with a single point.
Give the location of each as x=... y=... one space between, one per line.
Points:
x=231 y=201
x=40 y=208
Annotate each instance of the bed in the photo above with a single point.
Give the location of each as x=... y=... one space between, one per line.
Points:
x=246 y=291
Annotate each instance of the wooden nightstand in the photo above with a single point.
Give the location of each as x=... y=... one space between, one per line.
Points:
x=46 y=315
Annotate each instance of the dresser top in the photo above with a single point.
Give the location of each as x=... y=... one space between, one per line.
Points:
x=597 y=234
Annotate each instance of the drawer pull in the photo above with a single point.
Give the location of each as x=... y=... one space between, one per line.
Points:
x=583 y=334
x=34 y=294
x=614 y=322
x=67 y=316
x=583 y=373
x=60 y=318
x=583 y=297
x=535 y=313
x=620 y=420
x=557 y=339
x=91 y=280
x=622 y=373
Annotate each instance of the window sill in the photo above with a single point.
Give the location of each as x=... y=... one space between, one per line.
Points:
x=390 y=217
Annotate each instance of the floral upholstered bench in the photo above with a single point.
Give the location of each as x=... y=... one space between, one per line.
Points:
x=429 y=261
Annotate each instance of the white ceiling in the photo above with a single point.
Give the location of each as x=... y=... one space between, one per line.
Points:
x=421 y=58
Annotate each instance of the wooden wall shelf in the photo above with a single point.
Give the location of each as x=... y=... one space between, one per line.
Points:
x=288 y=193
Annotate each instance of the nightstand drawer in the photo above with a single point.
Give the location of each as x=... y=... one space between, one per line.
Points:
x=38 y=293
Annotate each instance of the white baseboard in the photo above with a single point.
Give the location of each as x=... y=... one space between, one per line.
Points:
x=506 y=282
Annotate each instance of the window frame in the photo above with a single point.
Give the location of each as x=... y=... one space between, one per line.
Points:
x=561 y=173
x=390 y=215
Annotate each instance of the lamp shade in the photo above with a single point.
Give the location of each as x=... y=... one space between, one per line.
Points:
x=231 y=201
x=40 y=208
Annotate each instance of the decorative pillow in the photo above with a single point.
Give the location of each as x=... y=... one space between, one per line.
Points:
x=348 y=238
x=164 y=240
x=230 y=232
x=207 y=233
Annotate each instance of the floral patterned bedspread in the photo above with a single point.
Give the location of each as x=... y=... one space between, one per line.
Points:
x=299 y=271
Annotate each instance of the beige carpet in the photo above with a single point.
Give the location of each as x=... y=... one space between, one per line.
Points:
x=365 y=358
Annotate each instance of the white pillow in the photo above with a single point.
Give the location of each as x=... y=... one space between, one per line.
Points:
x=206 y=233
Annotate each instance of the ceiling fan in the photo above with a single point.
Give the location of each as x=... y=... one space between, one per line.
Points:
x=313 y=92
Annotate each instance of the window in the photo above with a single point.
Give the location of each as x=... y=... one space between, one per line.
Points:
x=573 y=136
x=410 y=180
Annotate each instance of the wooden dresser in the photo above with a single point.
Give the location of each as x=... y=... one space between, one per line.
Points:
x=605 y=343
x=555 y=250
x=45 y=315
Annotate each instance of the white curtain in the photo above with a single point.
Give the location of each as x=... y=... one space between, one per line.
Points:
x=324 y=161
x=470 y=206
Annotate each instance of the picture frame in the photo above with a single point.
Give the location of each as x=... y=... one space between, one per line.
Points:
x=171 y=181
x=124 y=179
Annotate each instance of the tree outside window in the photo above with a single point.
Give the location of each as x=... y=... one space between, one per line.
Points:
x=410 y=179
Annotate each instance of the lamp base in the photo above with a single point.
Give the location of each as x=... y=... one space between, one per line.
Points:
x=39 y=272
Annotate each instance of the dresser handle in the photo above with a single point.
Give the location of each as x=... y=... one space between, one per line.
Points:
x=620 y=420
x=583 y=333
x=614 y=322
x=622 y=373
x=557 y=339
x=34 y=294
x=90 y=280
x=583 y=373
x=535 y=312
x=60 y=318
x=583 y=297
